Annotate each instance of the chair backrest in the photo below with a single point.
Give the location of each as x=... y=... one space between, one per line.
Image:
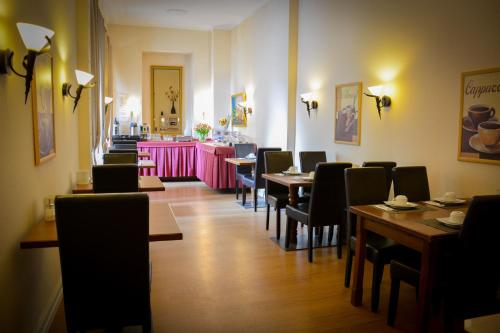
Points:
x=276 y=161
x=328 y=201
x=411 y=181
x=242 y=150
x=364 y=186
x=115 y=178
x=104 y=255
x=309 y=159
x=123 y=151
x=260 y=166
x=116 y=158
x=125 y=146
x=125 y=142
x=388 y=166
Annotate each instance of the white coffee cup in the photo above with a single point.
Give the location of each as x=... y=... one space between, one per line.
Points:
x=82 y=177
x=311 y=174
x=401 y=199
x=457 y=216
x=292 y=169
x=450 y=196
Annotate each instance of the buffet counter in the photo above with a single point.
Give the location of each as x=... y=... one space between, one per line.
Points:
x=206 y=161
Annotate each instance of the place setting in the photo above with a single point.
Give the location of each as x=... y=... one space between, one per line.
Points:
x=292 y=171
x=400 y=204
x=453 y=222
x=449 y=199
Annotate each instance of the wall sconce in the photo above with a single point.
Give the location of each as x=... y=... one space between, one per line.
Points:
x=381 y=100
x=107 y=102
x=83 y=79
x=37 y=40
x=310 y=101
x=245 y=107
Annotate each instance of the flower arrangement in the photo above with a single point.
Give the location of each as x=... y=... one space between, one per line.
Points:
x=223 y=121
x=202 y=130
x=171 y=94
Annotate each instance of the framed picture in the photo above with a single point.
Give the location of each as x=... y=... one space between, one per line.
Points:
x=479 y=130
x=238 y=116
x=42 y=100
x=166 y=99
x=347 y=128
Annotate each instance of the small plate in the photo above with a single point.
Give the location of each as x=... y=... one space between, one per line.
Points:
x=397 y=205
x=475 y=142
x=447 y=222
x=289 y=173
x=455 y=202
x=307 y=178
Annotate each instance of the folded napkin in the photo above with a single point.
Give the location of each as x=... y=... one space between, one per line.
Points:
x=386 y=208
x=434 y=203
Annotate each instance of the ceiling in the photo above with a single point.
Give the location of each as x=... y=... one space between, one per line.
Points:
x=185 y=14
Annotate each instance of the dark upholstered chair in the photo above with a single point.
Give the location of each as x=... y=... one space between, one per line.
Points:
x=326 y=206
x=115 y=178
x=123 y=151
x=125 y=146
x=276 y=194
x=411 y=181
x=116 y=158
x=242 y=150
x=104 y=255
x=125 y=142
x=366 y=186
x=388 y=166
x=309 y=159
x=256 y=181
x=471 y=277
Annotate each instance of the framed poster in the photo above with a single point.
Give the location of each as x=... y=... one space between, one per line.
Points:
x=166 y=99
x=479 y=130
x=42 y=100
x=347 y=128
x=238 y=116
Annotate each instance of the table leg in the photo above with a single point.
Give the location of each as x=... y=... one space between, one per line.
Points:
x=426 y=284
x=293 y=198
x=359 y=263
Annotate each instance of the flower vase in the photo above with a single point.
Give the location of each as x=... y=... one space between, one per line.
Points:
x=203 y=137
x=172 y=110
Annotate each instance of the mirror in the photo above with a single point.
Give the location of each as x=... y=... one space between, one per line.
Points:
x=166 y=99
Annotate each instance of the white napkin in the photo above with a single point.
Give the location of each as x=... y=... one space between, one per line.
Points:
x=384 y=207
x=434 y=203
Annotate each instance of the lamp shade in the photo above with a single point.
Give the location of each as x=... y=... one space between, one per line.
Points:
x=83 y=78
x=108 y=100
x=33 y=36
x=307 y=97
x=377 y=90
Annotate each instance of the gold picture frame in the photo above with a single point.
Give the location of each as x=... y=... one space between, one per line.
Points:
x=238 y=115
x=159 y=98
x=347 y=118
x=479 y=128
x=42 y=101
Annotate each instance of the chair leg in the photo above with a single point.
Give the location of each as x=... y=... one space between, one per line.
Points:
x=339 y=241
x=255 y=199
x=236 y=186
x=330 y=234
x=393 y=302
x=310 y=243
x=278 y=223
x=348 y=268
x=287 y=232
x=268 y=208
x=378 y=271
x=244 y=195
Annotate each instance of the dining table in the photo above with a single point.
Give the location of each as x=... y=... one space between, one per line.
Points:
x=146 y=184
x=146 y=164
x=162 y=227
x=417 y=229
x=143 y=154
x=293 y=183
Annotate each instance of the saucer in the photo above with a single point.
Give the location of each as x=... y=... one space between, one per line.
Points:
x=475 y=142
x=448 y=202
x=290 y=173
x=447 y=222
x=397 y=205
x=467 y=125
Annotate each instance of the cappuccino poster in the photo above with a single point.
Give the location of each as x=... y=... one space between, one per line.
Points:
x=347 y=128
x=479 y=126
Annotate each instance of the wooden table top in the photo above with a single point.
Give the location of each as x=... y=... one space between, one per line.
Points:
x=143 y=154
x=162 y=227
x=146 y=184
x=146 y=164
x=288 y=181
x=241 y=161
x=408 y=221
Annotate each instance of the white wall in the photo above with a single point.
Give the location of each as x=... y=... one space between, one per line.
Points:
x=129 y=43
x=221 y=73
x=259 y=66
x=30 y=280
x=420 y=48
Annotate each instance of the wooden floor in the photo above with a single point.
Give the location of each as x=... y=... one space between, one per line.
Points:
x=227 y=275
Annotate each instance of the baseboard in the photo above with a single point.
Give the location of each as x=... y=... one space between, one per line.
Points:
x=47 y=319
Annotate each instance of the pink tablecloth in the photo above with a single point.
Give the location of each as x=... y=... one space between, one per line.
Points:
x=172 y=159
x=211 y=166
